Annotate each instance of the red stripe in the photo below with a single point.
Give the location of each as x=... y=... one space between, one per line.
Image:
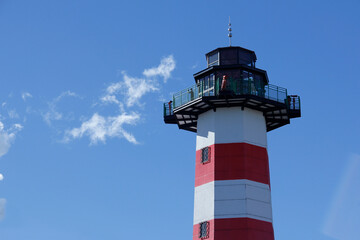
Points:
x=237 y=229
x=230 y=161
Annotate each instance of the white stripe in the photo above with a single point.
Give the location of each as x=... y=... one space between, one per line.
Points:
x=232 y=199
x=231 y=125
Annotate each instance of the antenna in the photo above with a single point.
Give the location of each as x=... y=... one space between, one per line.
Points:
x=230 y=34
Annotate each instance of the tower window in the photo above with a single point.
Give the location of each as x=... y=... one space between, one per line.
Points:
x=204 y=230
x=213 y=59
x=205 y=155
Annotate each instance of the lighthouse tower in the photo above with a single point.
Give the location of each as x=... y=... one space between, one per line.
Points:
x=231 y=108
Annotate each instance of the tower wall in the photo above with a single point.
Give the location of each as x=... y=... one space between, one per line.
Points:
x=232 y=188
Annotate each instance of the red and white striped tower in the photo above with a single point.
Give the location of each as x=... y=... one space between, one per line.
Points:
x=231 y=108
x=232 y=188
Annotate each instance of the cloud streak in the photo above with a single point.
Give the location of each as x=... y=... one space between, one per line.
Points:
x=132 y=90
x=343 y=219
x=2 y=208
x=98 y=128
x=127 y=95
x=7 y=137
x=167 y=65
x=52 y=114
x=26 y=95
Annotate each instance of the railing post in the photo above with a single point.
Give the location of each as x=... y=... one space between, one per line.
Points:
x=202 y=89
x=241 y=86
x=182 y=93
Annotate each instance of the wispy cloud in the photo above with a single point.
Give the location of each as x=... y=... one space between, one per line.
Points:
x=343 y=219
x=13 y=114
x=126 y=94
x=1 y=177
x=98 y=128
x=25 y=95
x=167 y=65
x=110 y=99
x=132 y=89
x=2 y=208
x=52 y=114
x=7 y=137
x=194 y=66
x=67 y=93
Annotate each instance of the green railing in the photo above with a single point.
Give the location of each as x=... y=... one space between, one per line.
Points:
x=235 y=87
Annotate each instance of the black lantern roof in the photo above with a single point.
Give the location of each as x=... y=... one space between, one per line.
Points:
x=230 y=61
x=231 y=56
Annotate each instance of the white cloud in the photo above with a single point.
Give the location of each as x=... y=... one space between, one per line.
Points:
x=1 y=177
x=5 y=140
x=136 y=88
x=133 y=89
x=115 y=87
x=65 y=94
x=13 y=114
x=98 y=128
x=167 y=65
x=7 y=137
x=125 y=93
x=110 y=99
x=26 y=95
x=2 y=208
x=52 y=114
x=17 y=126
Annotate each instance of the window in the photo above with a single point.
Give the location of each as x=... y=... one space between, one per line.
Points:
x=213 y=59
x=211 y=84
x=204 y=230
x=205 y=155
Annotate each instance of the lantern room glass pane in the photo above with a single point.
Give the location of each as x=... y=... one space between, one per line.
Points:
x=213 y=59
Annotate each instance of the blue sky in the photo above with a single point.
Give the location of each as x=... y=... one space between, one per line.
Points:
x=84 y=152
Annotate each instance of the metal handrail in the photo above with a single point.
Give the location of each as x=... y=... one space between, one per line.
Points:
x=236 y=87
x=293 y=102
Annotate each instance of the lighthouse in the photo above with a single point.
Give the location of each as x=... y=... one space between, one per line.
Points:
x=231 y=107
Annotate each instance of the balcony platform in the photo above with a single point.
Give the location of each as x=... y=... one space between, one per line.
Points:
x=277 y=107
x=276 y=114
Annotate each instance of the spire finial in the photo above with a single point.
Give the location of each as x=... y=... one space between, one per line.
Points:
x=230 y=34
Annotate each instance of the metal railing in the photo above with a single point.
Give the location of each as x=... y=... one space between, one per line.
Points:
x=293 y=102
x=235 y=87
x=168 y=109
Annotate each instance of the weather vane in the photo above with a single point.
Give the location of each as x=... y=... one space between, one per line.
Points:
x=230 y=34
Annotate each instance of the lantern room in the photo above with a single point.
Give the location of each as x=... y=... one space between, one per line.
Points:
x=246 y=86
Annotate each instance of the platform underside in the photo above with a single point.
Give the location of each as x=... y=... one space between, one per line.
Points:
x=276 y=113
